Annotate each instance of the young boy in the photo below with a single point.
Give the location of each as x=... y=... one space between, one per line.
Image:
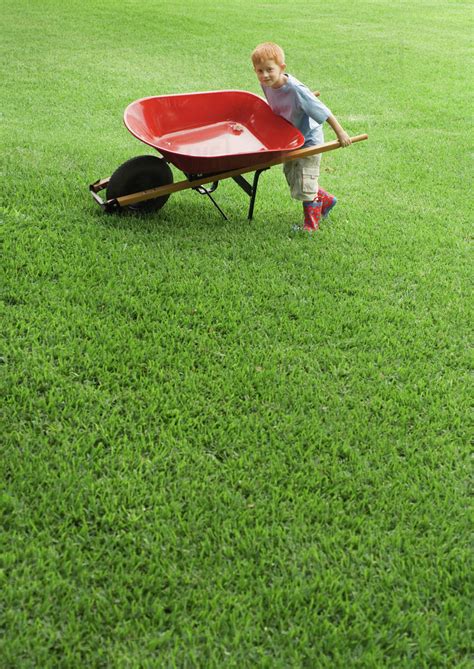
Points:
x=291 y=99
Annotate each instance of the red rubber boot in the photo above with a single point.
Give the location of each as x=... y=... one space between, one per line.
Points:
x=329 y=201
x=312 y=215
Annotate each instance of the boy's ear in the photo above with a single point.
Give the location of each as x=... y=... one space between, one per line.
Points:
x=283 y=66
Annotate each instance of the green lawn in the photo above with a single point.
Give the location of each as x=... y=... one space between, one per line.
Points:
x=226 y=444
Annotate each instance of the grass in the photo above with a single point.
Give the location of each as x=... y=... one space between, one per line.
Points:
x=225 y=444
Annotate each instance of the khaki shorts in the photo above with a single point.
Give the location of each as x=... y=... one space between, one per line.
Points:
x=303 y=177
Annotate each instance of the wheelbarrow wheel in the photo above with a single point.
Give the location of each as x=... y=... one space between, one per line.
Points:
x=138 y=174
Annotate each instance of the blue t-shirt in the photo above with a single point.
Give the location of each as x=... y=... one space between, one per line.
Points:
x=297 y=104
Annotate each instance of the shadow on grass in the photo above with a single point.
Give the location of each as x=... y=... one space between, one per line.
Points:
x=193 y=217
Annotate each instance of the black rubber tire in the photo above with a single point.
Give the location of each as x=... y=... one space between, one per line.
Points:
x=137 y=174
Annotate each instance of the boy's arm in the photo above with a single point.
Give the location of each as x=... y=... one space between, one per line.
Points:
x=342 y=135
x=320 y=113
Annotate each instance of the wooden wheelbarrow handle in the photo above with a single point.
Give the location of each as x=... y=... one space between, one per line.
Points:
x=126 y=200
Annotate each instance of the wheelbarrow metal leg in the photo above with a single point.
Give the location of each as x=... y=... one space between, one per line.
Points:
x=207 y=191
x=250 y=189
x=254 y=192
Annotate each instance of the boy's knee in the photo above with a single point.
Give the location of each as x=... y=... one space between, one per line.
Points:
x=309 y=183
x=302 y=177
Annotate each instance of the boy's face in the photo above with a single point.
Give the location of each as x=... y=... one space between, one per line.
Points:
x=271 y=74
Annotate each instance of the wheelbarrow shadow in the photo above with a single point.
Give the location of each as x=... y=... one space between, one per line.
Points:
x=178 y=219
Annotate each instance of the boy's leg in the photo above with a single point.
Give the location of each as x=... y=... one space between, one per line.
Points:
x=302 y=176
x=312 y=215
x=329 y=201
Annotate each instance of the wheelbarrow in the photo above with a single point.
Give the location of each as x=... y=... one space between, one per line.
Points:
x=209 y=136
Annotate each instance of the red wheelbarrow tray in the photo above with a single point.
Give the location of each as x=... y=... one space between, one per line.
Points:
x=209 y=132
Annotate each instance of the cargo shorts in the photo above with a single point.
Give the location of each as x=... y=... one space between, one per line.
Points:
x=302 y=176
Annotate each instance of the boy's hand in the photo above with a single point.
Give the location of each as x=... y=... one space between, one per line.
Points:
x=344 y=139
x=341 y=134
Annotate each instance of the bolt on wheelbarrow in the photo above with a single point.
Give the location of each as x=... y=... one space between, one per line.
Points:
x=210 y=137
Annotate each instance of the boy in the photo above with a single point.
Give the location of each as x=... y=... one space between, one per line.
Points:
x=291 y=99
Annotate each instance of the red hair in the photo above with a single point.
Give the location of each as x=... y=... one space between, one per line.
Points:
x=268 y=51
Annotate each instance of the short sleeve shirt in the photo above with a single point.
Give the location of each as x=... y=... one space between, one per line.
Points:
x=297 y=104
